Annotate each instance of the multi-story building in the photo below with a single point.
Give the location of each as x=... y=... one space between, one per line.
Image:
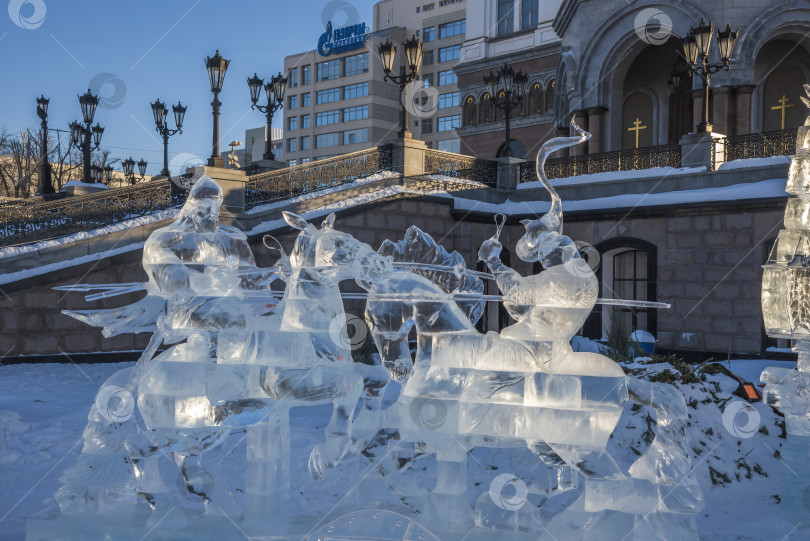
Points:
x=255 y=141
x=337 y=101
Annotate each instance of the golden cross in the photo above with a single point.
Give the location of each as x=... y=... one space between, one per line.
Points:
x=637 y=127
x=783 y=106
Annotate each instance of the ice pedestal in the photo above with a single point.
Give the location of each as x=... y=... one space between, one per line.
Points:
x=267 y=475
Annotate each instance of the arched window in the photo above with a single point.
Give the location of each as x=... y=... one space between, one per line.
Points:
x=468 y=112
x=499 y=113
x=782 y=108
x=535 y=99
x=485 y=109
x=550 y=96
x=638 y=121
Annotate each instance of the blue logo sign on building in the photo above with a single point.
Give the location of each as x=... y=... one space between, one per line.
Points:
x=342 y=40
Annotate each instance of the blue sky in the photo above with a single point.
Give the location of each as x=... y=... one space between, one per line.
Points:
x=135 y=52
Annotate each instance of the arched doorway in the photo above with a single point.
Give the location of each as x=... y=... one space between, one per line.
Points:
x=783 y=66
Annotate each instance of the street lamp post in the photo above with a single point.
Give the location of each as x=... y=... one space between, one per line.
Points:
x=129 y=169
x=216 y=66
x=507 y=98
x=45 y=185
x=86 y=138
x=696 y=48
x=275 y=90
x=413 y=54
x=160 y=113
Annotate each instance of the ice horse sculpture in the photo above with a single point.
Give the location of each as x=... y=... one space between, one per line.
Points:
x=786 y=311
x=239 y=355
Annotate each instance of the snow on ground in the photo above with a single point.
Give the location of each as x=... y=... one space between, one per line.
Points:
x=43 y=410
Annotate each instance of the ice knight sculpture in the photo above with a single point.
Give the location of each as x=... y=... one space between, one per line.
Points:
x=198 y=438
x=786 y=311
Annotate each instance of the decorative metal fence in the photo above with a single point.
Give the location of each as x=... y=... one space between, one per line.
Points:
x=605 y=162
x=438 y=162
x=757 y=145
x=53 y=219
x=310 y=177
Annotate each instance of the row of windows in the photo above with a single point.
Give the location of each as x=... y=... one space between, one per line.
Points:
x=345 y=67
x=529 y=15
x=328 y=140
x=330 y=95
x=327 y=118
x=445 y=78
x=432 y=5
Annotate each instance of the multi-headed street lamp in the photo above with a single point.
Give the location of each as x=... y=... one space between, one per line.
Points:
x=45 y=185
x=275 y=90
x=161 y=114
x=507 y=97
x=216 y=66
x=129 y=169
x=85 y=138
x=696 y=48
x=413 y=54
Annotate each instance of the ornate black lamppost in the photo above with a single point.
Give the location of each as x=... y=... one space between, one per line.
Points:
x=108 y=174
x=80 y=136
x=160 y=113
x=45 y=185
x=413 y=54
x=696 y=47
x=129 y=169
x=507 y=98
x=216 y=66
x=275 y=90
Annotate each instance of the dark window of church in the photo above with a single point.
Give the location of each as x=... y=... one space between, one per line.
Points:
x=782 y=108
x=485 y=109
x=638 y=126
x=468 y=112
x=550 y=96
x=536 y=99
x=528 y=14
x=506 y=17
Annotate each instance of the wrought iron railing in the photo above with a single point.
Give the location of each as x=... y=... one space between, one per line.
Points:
x=311 y=177
x=605 y=162
x=756 y=145
x=449 y=164
x=54 y=219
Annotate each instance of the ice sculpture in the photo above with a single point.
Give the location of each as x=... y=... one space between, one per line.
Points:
x=239 y=355
x=786 y=312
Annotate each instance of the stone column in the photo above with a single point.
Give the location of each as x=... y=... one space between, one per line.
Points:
x=596 y=117
x=409 y=157
x=581 y=118
x=723 y=109
x=742 y=113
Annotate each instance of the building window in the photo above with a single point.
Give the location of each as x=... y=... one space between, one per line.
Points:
x=428 y=58
x=327 y=118
x=450 y=145
x=446 y=54
x=447 y=78
x=427 y=126
x=329 y=95
x=292 y=78
x=329 y=70
x=306 y=99
x=305 y=122
x=306 y=74
x=429 y=34
x=506 y=17
x=293 y=102
x=428 y=7
x=360 y=112
x=356 y=64
x=529 y=10
x=305 y=143
x=327 y=140
x=448 y=2
x=453 y=99
x=292 y=163
x=351 y=137
x=359 y=90
x=428 y=79
x=292 y=123
x=550 y=96
x=449 y=123
x=292 y=145
x=305 y=160
x=456 y=28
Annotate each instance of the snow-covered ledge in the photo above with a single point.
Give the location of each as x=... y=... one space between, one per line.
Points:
x=77 y=187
